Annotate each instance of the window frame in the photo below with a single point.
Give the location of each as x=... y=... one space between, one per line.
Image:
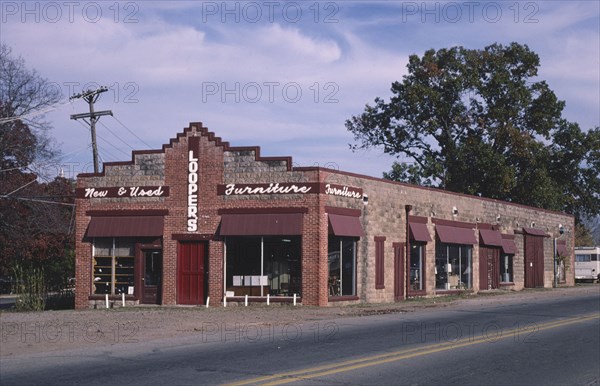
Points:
x=337 y=288
x=510 y=270
x=450 y=264
x=116 y=244
x=421 y=246
x=261 y=266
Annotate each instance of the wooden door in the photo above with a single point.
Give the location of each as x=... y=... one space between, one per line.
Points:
x=534 y=261
x=151 y=261
x=191 y=263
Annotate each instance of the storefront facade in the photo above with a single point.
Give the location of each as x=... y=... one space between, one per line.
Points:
x=200 y=219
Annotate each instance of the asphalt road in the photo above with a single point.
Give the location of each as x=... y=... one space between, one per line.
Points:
x=541 y=342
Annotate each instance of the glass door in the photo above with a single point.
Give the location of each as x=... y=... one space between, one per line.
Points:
x=151 y=276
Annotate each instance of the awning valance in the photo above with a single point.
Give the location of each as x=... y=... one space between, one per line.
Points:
x=419 y=232
x=455 y=235
x=126 y=226
x=490 y=237
x=535 y=232
x=509 y=247
x=345 y=225
x=261 y=224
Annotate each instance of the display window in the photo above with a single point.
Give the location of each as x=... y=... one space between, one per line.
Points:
x=342 y=266
x=257 y=266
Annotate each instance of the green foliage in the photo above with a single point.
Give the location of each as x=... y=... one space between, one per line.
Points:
x=30 y=288
x=404 y=172
x=59 y=271
x=583 y=238
x=479 y=122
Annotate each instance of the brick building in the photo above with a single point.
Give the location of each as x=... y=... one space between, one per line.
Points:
x=200 y=218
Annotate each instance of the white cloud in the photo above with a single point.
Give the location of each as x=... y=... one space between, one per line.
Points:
x=171 y=53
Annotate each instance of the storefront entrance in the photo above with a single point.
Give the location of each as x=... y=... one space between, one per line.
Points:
x=191 y=262
x=489 y=268
x=151 y=289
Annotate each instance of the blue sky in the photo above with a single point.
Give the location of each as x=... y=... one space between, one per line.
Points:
x=281 y=75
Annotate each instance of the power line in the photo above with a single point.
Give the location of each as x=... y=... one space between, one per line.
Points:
x=132 y=133
x=38 y=175
x=36 y=200
x=8 y=170
x=75 y=151
x=34 y=113
x=16 y=190
x=108 y=142
x=115 y=135
x=46 y=196
x=91 y=96
x=116 y=148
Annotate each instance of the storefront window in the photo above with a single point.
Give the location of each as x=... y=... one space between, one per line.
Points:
x=506 y=268
x=417 y=253
x=453 y=266
x=342 y=266
x=114 y=266
x=257 y=266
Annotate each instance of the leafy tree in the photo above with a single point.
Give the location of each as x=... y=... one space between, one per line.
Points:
x=480 y=122
x=583 y=238
x=593 y=227
x=36 y=215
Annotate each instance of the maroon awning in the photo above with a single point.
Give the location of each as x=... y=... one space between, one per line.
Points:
x=261 y=224
x=509 y=247
x=419 y=232
x=126 y=226
x=561 y=248
x=490 y=237
x=534 y=232
x=455 y=235
x=345 y=225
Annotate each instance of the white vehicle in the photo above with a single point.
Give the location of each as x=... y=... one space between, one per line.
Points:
x=587 y=263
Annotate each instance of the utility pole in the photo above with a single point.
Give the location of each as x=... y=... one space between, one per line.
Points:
x=91 y=96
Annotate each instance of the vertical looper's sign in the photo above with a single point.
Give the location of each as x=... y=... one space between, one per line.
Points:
x=193 y=183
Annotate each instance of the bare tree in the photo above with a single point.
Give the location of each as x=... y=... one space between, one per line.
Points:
x=24 y=98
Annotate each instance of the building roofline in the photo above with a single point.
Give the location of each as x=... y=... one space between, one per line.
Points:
x=198 y=126
x=438 y=190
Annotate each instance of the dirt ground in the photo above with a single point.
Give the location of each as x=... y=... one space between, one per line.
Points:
x=44 y=332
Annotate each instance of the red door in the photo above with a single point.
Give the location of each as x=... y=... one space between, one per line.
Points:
x=191 y=262
x=398 y=271
x=534 y=261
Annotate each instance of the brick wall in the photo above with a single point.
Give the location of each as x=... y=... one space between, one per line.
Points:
x=383 y=216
